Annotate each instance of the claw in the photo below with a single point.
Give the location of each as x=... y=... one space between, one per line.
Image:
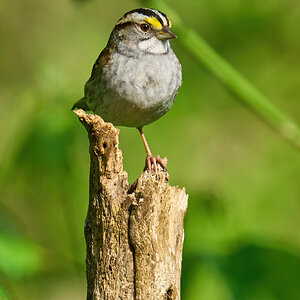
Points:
x=162 y=162
x=152 y=162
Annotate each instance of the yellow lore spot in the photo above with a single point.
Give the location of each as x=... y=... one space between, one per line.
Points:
x=154 y=22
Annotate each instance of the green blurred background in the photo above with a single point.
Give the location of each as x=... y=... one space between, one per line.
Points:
x=242 y=236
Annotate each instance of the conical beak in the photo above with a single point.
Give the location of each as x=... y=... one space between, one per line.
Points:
x=166 y=34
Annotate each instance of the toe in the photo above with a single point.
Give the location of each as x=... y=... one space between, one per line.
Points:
x=154 y=163
x=148 y=163
x=161 y=162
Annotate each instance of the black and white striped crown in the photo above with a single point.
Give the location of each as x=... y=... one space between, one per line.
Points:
x=152 y=16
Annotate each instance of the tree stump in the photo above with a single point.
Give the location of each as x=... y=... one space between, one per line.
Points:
x=134 y=233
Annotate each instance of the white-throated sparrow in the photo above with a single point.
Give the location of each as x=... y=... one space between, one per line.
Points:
x=136 y=77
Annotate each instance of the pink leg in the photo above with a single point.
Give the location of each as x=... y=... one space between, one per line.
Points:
x=150 y=159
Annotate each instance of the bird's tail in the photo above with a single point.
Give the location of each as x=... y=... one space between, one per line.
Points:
x=81 y=104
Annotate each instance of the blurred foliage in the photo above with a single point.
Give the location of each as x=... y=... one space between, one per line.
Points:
x=19 y=258
x=3 y=295
x=231 y=78
x=241 y=230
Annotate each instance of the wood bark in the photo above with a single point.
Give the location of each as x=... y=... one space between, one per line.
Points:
x=134 y=233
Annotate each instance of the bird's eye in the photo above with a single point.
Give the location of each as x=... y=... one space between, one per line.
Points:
x=145 y=27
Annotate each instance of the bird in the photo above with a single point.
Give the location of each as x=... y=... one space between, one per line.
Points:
x=136 y=77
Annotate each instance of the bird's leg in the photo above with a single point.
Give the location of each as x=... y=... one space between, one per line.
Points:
x=150 y=159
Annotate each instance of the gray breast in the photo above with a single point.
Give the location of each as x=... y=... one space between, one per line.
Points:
x=136 y=91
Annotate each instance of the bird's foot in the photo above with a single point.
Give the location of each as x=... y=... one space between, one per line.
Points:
x=152 y=163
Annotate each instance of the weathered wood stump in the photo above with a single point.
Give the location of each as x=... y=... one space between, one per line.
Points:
x=134 y=233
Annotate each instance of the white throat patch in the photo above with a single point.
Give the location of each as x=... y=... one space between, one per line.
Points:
x=154 y=45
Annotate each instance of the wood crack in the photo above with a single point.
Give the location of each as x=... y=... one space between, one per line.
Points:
x=133 y=253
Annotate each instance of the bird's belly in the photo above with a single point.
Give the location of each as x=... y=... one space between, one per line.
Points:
x=137 y=94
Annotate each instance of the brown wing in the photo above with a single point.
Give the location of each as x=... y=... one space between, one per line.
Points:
x=95 y=80
x=102 y=60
